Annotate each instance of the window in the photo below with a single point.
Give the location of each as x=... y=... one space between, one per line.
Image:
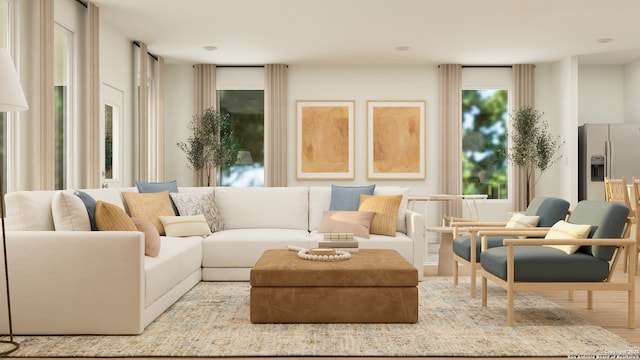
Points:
x=484 y=142
x=246 y=108
x=62 y=102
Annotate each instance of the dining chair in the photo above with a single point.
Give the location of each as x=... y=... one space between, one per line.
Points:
x=616 y=190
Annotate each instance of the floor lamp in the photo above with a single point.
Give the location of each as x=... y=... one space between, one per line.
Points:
x=11 y=99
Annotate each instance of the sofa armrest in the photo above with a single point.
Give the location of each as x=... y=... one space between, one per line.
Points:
x=81 y=282
x=415 y=230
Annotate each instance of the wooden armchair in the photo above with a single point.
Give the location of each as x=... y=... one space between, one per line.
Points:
x=529 y=265
x=466 y=247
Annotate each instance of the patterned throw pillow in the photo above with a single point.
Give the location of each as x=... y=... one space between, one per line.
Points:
x=199 y=203
x=386 y=209
x=356 y=222
x=149 y=207
x=195 y=225
x=110 y=217
x=565 y=230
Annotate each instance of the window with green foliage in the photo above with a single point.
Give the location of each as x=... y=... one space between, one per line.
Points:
x=247 y=111
x=484 y=142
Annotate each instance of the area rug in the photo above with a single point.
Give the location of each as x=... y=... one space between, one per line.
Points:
x=212 y=320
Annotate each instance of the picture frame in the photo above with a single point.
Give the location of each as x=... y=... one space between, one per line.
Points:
x=396 y=133
x=325 y=139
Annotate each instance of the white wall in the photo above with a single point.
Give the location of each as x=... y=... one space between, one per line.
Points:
x=601 y=94
x=632 y=92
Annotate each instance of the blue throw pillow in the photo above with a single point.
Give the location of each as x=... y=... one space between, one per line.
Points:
x=90 y=204
x=154 y=187
x=347 y=198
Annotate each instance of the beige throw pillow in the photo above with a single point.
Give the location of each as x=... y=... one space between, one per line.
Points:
x=149 y=206
x=356 y=222
x=523 y=221
x=565 y=230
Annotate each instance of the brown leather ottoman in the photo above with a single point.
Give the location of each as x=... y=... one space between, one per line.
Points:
x=374 y=286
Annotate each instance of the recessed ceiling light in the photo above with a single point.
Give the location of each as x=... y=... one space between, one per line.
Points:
x=604 y=40
x=403 y=48
x=210 y=47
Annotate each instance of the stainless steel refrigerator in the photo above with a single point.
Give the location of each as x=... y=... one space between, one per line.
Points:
x=611 y=150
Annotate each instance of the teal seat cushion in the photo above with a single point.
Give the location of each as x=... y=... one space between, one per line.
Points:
x=461 y=245
x=545 y=264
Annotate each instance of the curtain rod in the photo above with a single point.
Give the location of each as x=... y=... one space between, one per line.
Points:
x=486 y=66
x=148 y=53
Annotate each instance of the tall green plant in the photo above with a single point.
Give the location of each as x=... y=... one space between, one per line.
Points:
x=212 y=144
x=532 y=146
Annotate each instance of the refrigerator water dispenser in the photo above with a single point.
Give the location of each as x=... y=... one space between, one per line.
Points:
x=597 y=168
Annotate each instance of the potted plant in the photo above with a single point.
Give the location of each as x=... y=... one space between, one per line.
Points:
x=532 y=146
x=212 y=144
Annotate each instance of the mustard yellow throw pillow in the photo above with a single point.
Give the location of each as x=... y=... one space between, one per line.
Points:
x=386 y=208
x=149 y=206
x=110 y=217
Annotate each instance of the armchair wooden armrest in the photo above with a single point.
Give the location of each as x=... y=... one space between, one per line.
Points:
x=582 y=242
x=469 y=225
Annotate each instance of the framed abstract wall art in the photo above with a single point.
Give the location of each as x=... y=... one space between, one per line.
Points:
x=396 y=139
x=325 y=139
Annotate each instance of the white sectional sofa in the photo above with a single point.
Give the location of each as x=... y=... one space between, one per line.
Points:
x=101 y=282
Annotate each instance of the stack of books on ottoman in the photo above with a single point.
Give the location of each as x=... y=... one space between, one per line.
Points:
x=339 y=241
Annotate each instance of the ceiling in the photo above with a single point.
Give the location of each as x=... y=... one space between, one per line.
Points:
x=470 y=32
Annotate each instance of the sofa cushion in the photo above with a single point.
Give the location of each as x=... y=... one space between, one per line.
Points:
x=29 y=210
x=565 y=230
x=152 y=241
x=241 y=248
x=199 y=203
x=607 y=220
x=69 y=213
x=149 y=206
x=260 y=207
x=110 y=217
x=347 y=198
x=178 y=258
x=545 y=264
x=356 y=222
x=192 y=225
x=386 y=209
x=90 y=206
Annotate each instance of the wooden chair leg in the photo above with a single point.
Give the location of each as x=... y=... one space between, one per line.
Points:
x=570 y=295
x=484 y=291
x=473 y=280
x=510 y=304
x=455 y=272
x=589 y=299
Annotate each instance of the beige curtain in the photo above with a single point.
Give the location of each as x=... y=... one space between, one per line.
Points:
x=46 y=85
x=275 y=125
x=92 y=164
x=523 y=95
x=451 y=131
x=205 y=97
x=159 y=151
x=143 y=114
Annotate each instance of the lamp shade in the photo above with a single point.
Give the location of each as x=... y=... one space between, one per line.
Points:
x=11 y=94
x=244 y=158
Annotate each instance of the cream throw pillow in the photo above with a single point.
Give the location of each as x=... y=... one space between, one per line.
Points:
x=565 y=230
x=69 y=213
x=194 y=225
x=356 y=222
x=386 y=209
x=522 y=221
